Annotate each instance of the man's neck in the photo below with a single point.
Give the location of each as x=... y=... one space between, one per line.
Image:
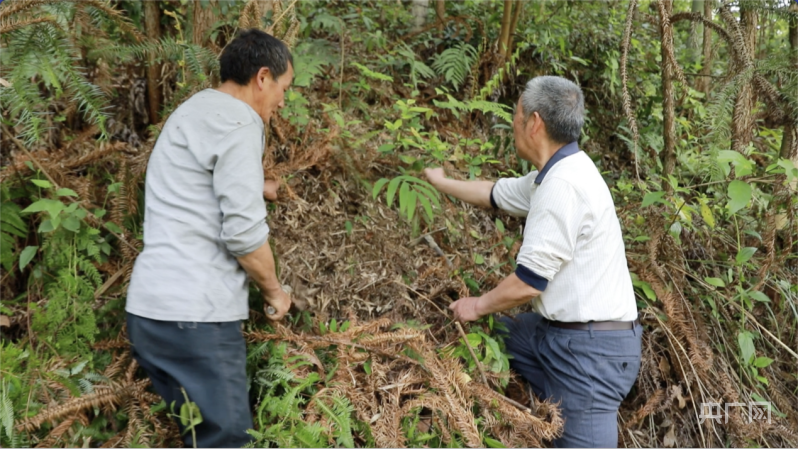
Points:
x=237 y=91
x=546 y=150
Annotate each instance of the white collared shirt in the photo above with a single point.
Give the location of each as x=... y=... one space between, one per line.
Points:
x=572 y=246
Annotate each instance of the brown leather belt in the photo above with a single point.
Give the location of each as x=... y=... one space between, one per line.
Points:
x=597 y=325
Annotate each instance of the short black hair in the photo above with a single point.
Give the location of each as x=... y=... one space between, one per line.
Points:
x=251 y=50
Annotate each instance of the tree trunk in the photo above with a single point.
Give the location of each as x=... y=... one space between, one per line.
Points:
x=789 y=141
x=152 y=26
x=519 y=9
x=696 y=30
x=202 y=21
x=420 y=10
x=706 y=60
x=440 y=10
x=669 y=124
x=742 y=120
x=504 y=34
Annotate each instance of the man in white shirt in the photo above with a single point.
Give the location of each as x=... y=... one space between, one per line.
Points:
x=582 y=347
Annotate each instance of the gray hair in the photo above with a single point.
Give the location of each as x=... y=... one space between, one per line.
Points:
x=560 y=104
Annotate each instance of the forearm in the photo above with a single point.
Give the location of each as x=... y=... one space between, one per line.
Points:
x=260 y=266
x=511 y=292
x=473 y=192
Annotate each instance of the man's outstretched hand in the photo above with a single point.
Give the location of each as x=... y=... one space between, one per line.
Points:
x=465 y=309
x=435 y=176
x=270 y=188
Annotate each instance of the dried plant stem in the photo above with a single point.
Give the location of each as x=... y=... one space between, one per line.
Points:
x=284 y=12
x=341 y=77
x=35 y=161
x=627 y=102
x=459 y=329
x=471 y=351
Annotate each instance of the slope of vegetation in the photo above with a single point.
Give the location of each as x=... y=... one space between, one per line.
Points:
x=692 y=119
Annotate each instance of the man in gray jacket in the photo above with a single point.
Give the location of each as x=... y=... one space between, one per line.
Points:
x=205 y=234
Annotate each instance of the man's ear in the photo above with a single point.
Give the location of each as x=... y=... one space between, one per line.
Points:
x=262 y=77
x=537 y=124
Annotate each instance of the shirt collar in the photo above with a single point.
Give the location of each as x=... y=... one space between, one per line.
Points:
x=568 y=150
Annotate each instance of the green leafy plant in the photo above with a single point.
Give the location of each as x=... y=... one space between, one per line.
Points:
x=412 y=193
x=69 y=248
x=189 y=415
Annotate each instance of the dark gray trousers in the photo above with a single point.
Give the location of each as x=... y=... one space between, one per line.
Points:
x=588 y=372
x=209 y=361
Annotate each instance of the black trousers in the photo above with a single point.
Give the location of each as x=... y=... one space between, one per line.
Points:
x=208 y=360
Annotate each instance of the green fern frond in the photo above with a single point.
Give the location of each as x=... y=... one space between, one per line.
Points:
x=7 y=414
x=502 y=111
x=341 y=413
x=454 y=64
x=417 y=68
x=44 y=52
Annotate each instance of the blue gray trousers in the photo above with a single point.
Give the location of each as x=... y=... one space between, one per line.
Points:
x=588 y=372
x=209 y=361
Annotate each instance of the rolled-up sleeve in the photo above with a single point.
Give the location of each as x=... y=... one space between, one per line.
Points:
x=512 y=195
x=552 y=229
x=238 y=185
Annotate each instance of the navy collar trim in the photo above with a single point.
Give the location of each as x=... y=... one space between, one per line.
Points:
x=568 y=150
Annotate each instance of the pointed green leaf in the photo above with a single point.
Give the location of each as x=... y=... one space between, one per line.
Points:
x=432 y=195
x=746 y=342
x=404 y=197
x=762 y=362
x=38 y=206
x=427 y=207
x=46 y=226
x=490 y=442
x=740 y=194
x=474 y=340
x=367 y=366
x=500 y=226
x=385 y=148
x=71 y=223
x=745 y=254
x=652 y=198
x=53 y=207
x=647 y=290
x=411 y=205
x=43 y=183
x=706 y=214
x=26 y=256
x=65 y=192
x=391 y=192
x=377 y=187
x=717 y=282
x=113 y=227
x=756 y=295
x=742 y=165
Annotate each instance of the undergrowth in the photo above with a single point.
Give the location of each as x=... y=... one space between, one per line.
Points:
x=711 y=242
